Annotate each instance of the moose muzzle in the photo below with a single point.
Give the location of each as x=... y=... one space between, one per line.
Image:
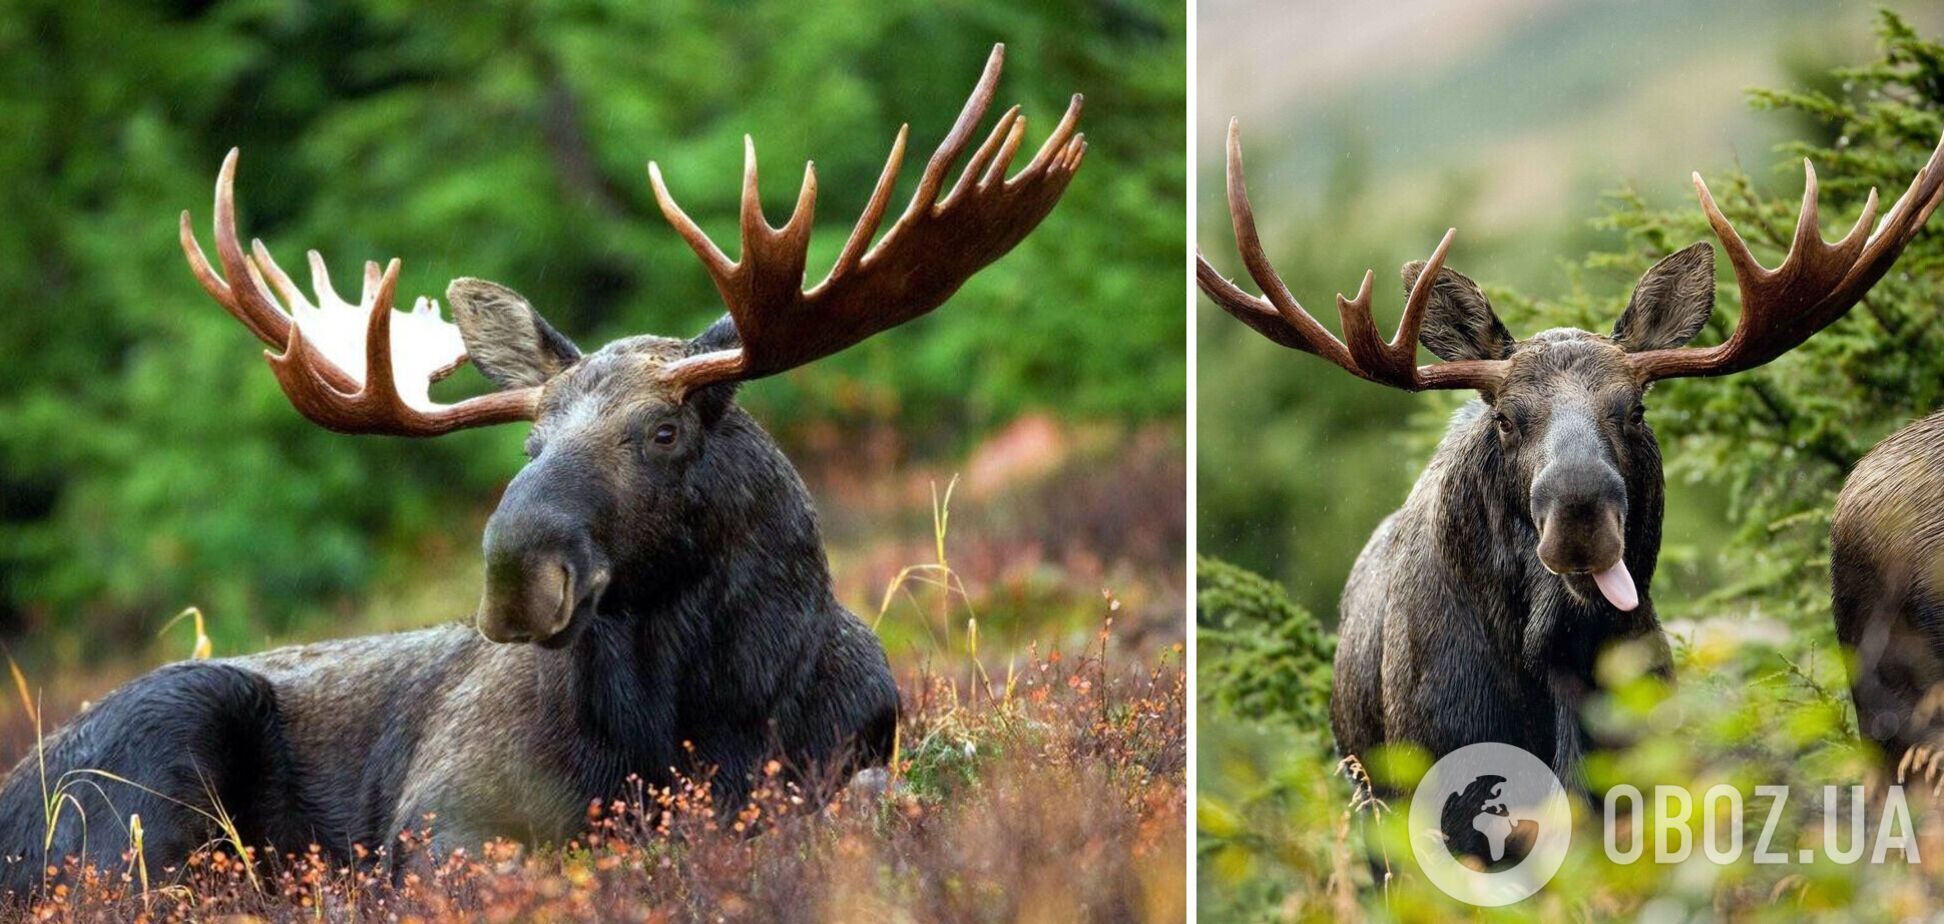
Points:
x=1580 y=509
x=542 y=570
x=534 y=598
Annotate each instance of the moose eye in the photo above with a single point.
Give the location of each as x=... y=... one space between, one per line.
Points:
x=1504 y=423
x=665 y=434
x=1639 y=413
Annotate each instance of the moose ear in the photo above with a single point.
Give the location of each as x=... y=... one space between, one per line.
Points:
x=509 y=341
x=1671 y=302
x=1459 y=323
x=721 y=335
x=711 y=400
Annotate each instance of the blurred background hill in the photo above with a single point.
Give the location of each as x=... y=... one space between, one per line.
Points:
x=148 y=462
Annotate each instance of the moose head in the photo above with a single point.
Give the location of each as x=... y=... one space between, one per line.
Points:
x=1569 y=445
x=630 y=440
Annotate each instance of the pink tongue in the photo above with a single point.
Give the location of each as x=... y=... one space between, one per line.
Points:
x=1618 y=586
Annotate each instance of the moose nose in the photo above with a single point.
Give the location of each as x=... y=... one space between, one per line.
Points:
x=528 y=598
x=540 y=572
x=1579 y=510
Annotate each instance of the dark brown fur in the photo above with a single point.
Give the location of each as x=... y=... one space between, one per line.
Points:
x=1887 y=582
x=1470 y=615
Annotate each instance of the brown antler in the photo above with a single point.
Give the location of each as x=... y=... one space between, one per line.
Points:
x=928 y=253
x=1362 y=352
x=1816 y=284
x=360 y=336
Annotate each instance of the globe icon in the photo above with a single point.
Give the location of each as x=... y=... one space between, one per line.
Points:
x=1479 y=813
x=1490 y=824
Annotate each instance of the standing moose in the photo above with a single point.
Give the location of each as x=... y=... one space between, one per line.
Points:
x=658 y=554
x=1476 y=611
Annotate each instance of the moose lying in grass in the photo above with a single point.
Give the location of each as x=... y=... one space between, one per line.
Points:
x=1476 y=612
x=657 y=597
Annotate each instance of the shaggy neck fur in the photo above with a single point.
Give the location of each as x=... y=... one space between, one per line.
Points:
x=1485 y=530
x=708 y=638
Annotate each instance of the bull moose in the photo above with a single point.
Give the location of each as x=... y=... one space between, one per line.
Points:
x=1476 y=611
x=657 y=597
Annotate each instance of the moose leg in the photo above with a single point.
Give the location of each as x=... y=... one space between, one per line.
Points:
x=178 y=747
x=1898 y=685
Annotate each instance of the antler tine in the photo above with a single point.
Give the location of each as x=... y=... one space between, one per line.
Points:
x=279 y=280
x=1257 y=313
x=321 y=280
x=986 y=155
x=249 y=300
x=719 y=265
x=379 y=375
x=771 y=264
x=1065 y=144
x=933 y=179
x=235 y=289
x=1420 y=298
x=1000 y=164
x=199 y=265
x=1314 y=337
x=1395 y=362
x=754 y=225
x=867 y=223
x=1816 y=283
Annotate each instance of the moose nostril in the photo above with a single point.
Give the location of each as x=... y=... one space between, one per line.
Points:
x=564 y=598
x=1580 y=539
x=528 y=597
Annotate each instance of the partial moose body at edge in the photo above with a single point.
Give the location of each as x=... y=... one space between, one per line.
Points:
x=1477 y=612
x=1887 y=583
x=657 y=598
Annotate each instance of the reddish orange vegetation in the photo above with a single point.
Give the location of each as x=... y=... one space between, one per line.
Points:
x=1055 y=794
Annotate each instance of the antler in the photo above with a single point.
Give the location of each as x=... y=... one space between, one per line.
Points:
x=1362 y=352
x=929 y=252
x=1815 y=284
x=385 y=389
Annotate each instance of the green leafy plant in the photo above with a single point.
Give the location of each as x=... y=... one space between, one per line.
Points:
x=1263 y=657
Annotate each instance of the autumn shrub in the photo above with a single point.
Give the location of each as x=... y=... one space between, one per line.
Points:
x=1054 y=793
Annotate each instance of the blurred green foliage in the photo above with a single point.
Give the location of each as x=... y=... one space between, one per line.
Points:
x=1265 y=659
x=147 y=460
x=1761 y=694
x=1263 y=690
